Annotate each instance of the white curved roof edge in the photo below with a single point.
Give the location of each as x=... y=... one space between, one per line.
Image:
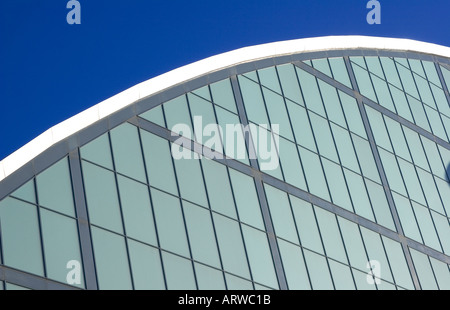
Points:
x=191 y=71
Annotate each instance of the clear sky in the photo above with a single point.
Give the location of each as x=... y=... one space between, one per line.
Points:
x=50 y=70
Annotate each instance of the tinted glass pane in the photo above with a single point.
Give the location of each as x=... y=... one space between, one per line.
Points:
x=392 y=171
x=235 y=283
x=177 y=112
x=337 y=184
x=442 y=273
x=365 y=157
x=209 y=278
x=323 y=137
x=310 y=92
x=277 y=113
x=313 y=172
x=318 y=271
x=426 y=226
x=55 y=188
x=113 y=271
x=331 y=235
x=353 y=244
x=398 y=140
x=127 y=151
x=375 y=251
x=332 y=104
x=359 y=195
x=203 y=92
x=179 y=273
x=146 y=267
x=361 y=281
x=301 y=126
x=345 y=148
x=400 y=103
x=170 y=223
x=407 y=218
x=253 y=101
x=443 y=229
x=26 y=192
x=342 y=276
x=294 y=266
x=378 y=129
x=380 y=205
x=20 y=236
x=289 y=83
x=424 y=271
x=61 y=245
x=291 y=165
x=101 y=196
x=155 y=115
x=137 y=210
x=398 y=263
x=364 y=83
x=222 y=94
x=268 y=77
x=352 y=114
x=98 y=151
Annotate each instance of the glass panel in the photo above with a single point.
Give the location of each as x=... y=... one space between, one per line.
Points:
x=407 y=218
x=260 y=257
x=190 y=179
x=268 y=77
x=441 y=273
x=436 y=123
x=345 y=148
x=281 y=213
x=375 y=251
x=401 y=104
x=337 y=184
x=179 y=273
x=331 y=235
x=177 y=112
x=382 y=91
x=418 y=113
x=137 y=210
x=26 y=192
x=352 y=114
x=398 y=140
x=361 y=281
x=359 y=196
x=13 y=287
x=318 y=271
x=398 y=263
x=416 y=66
x=390 y=71
x=342 y=276
x=373 y=65
x=332 y=104
x=55 y=188
x=430 y=70
x=323 y=136
x=310 y=92
x=416 y=149
x=322 y=66
x=353 y=243
x=434 y=159
x=392 y=171
x=203 y=92
x=222 y=94
x=359 y=60
x=231 y=246
x=111 y=261
x=407 y=81
x=430 y=190
x=424 y=91
x=364 y=83
x=378 y=128
x=306 y=224
x=158 y=160
x=209 y=278
x=246 y=199
x=443 y=230
x=411 y=181
x=426 y=226
x=366 y=160
x=444 y=191
x=300 y=124
x=291 y=165
x=294 y=266
x=314 y=175
x=201 y=234
x=127 y=151
x=424 y=271
x=21 y=242
x=146 y=266
x=340 y=71
x=235 y=283
x=441 y=100
x=61 y=245
x=253 y=101
x=170 y=223
x=289 y=83
x=98 y=151
x=155 y=115
x=277 y=113
x=380 y=205
x=101 y=196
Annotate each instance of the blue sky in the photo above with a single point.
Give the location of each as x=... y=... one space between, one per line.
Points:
x=50 y=71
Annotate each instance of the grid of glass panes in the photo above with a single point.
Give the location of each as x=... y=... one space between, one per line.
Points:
x=211 y=115
x=409 y=87
x=432 y=273
x=416 y=172
x=321 y=250
x=323 y=147
x=39 y=231
x=177 y=224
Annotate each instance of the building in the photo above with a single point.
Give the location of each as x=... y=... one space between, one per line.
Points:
x=358 y=197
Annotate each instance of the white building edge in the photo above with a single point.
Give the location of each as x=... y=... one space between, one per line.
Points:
x=222 y=61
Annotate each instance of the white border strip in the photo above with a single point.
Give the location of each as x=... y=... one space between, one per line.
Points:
x=199 y=68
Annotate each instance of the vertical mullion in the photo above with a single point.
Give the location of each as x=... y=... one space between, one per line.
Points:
x=445 y=87
x=382 y=174
x=41 y=237
x=83 y=226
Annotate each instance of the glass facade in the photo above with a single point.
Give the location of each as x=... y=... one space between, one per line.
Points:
x=358 y=197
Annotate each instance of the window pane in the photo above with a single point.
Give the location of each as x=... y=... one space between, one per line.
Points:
x=378 y=129
x=318 y=271
x=137 y=210
x=113 y=271
x=253 y=101
x=415 y=146
x=434 y=159
x=323 y=137
x=359 y=196
x=366 y=160
x=190 y=180
x=155 y=115
x=101 y=196
x=201 y=234
x=337 y=184
x=20 y=236
x=146 y=267
x=407 y=81
x=311 y=92
x=332 y=104
x=246 y=199
x=301 y=126
x=314 y=175
x=376 y=252
x=424 y=271
x=398 y=263
x=443 y=229
x=392 y=171
x=289 y=83
x=345 y=148
x=306 y=224
x=179 y=273
x=353 y=244
x=380 y=205
x=280 y=211
x=277 y=113
x=442 y=273
x=331 y=235
x=373 y=65
x=231 y=246
x=202 y=92
x=352 y=114
x=294 y=266
x=400 y=103
x=55 y=188
x=361 y=281
x=170 y=223
x=13 y=287
x=26 y=192
x=390 y=71
x=364 y=83
x=127 y=151
x=177 y=112
x=222 y=94
x=209 y=278
x=426 y=226
x=268 y=78
x=61 y=245
x=418 y=113
x=340 y=71
x=382 y=91
x=322 y=66
x=158 y=160
x=260 y=257
x=236 y=283
x=398 y=140
x=412 y=183
x=407 y=218
x=98 y=151
x=291 y=165
x=342 y=276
